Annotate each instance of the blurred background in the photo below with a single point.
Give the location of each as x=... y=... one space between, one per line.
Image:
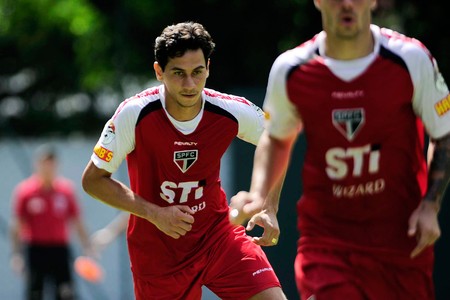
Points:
x=65 y=65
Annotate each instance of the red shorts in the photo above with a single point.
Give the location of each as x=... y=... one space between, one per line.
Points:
x=330 y=274
x=234 y=268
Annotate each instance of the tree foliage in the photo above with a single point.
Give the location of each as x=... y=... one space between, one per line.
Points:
x=64 y=65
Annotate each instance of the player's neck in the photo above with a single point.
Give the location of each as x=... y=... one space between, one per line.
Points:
x=46 y=182
x=183 y=113
x=349 y=49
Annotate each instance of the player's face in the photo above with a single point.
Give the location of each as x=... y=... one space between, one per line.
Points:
x=46 y=168
x=346 y=19
x=184 y=79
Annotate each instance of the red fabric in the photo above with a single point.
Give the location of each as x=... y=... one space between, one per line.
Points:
x=367 y=171
x=233 y=260
x=45 y=213
x=159 y=174
x=333 y=273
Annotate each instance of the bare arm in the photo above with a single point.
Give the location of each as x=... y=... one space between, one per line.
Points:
x=439 y=171
x=106 y=235
x=81 y=231
x=174 y=220
x=17 y=260
x=269 y=169
x=424 y=221
x=270 y=165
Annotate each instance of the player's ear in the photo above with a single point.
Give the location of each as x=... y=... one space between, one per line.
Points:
x=207 y=67
x=317 y=4
x=158 y=71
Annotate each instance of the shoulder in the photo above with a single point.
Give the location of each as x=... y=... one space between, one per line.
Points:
x=231 y=103
x=64 y=184
x=239 y=107
x=26 y=186
x=299 y=55
x=219 y=98
x=410 y=49
x=137 y=102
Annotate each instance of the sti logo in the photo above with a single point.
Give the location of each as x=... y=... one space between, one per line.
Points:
x=348 y=121
x=185 y=159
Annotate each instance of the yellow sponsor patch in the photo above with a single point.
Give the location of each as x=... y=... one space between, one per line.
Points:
x=103 y=153
x=443 y=106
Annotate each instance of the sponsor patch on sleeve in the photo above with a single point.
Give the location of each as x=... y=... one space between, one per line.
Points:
x=443 y=106
x=103 y=153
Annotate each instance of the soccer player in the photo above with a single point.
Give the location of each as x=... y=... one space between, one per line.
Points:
x=173 y=137
x=364 y=97
x=45 y=207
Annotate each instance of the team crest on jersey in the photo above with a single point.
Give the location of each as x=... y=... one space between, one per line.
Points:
x=348 y=121
x=185 y=159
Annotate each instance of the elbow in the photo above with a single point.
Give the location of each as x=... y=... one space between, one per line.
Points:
x=88 y=179
x=86 y=183
x=93 y=179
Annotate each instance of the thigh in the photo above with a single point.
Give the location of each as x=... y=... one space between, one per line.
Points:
x=326 y=275
x=331 y=274
x=59 y=262
x=35 y=273
x=61 y=273
x=239 y=269
x=181 y=286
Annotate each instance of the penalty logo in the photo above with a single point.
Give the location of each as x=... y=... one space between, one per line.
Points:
x=348 y=121
x=185 y=159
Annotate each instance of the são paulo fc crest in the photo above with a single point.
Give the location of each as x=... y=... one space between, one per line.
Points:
x=185 y=159
x=348 y=121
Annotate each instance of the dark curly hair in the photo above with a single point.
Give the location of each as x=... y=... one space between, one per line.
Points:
x=176 y=39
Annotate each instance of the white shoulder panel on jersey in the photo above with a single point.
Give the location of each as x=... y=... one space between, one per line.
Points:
x=429 y=86
x=249 y=116
x=283 y=119
x=118 y=137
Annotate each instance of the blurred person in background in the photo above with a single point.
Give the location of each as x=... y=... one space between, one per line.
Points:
x=173 y=137
x=45 y=210
x=364 y=97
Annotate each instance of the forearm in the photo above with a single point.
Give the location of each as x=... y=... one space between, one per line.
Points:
x=118 y=224
x=439 y=171
x=116 y=194
x=16 y=244
x=270 y=166
x=82 y=234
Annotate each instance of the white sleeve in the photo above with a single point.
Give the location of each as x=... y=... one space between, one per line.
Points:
x=251 y=122
x=282 y=116
x=117 y=139
x=431 y=100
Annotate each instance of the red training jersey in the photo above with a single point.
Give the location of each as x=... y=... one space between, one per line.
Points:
x=173 y=163
x=364 y=169
x=45 y=213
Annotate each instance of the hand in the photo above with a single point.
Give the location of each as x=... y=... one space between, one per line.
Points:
x=269 y=222
x=423 y=224
x=243 y=206
x=17 y=263
x=93 y=250
x=100 y=239
x=175 y=221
